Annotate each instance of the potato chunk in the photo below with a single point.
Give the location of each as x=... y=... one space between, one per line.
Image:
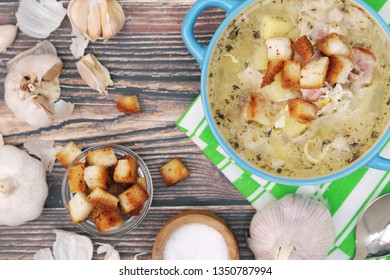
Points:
x=275 y=26
x=174 y=171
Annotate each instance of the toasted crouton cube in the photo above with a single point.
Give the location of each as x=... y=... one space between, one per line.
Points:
x=96 y=176
x=101 y=198
x=332 y=44
x=339 y=69
x=79 y=208
x=174 y=171
x=126 y=170
x=304 y=48
x=313 y=74
x=274 y=67
x=133 y=198
x=104 y=157
x=128 y=105
x=106 y=219
x=76 y=178
x=142 y=182
x=291 y=74
x=279 y=48
x=116 y=188
x=302 y=111
x=135 y=212
x=256 y=109
x=68 y=153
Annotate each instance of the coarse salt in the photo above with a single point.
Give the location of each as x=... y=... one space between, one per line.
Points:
x=196 y=242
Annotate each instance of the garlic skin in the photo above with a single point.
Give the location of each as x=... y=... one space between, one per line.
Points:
x=111 y=253
x=7 y=36
x=38 y=19
x=295 y=227
x=96 y=19
x=44 y=150
x=78 y=46
x=44 y=254
x=94 y=73
x=23 y=187
x=32 y=88
x=72 y=246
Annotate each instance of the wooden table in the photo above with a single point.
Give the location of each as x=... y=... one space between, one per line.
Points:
x=147 y=59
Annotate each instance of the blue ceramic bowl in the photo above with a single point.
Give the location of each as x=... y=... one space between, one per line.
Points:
x=202 y=54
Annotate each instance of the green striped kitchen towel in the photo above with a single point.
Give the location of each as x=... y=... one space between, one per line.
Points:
x=346 y=197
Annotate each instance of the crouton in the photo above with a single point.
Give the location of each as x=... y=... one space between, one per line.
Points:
x=174 y=171
x=96 y=176
x=126 y=170
x=104 y=157
x=142 y=182
x=332 y=44
x=339 y=69
x=256 y=109
x=133 y=198
x=103 y=199
x=302 y=111
x=291 y=74
x=274 y=68
x=313 y=74
x=128 y=105
x=76 y=178
x=79 y=208
x=279 y=48
x=116 y=188
x=68 y=153
x=106 y=219
x=135 y=212
x=304 y=48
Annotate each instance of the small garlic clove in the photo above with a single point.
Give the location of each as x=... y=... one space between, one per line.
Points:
x=111 y=25
x=94 y=73
x=72 y=246
x=77 y=13
x=38 y=19
x=94 y=24
x=7 y=36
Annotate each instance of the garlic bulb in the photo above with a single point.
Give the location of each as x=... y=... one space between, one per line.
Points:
x=23 y=187
x=94 y=73
x=294 y=227
x=38 y=19
x=32 y=86
x=72 y=246
x=7 y=36
x=96 y=19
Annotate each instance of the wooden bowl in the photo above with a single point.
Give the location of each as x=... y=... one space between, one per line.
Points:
x=195 y=217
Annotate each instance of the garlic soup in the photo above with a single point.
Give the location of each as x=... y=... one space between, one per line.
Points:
x=298 y=88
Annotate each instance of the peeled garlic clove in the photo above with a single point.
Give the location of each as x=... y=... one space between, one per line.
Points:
x=72 y=246
x=7 y=36
x=96 y=19
x=38 y=19
x=94 y=73
x=294 y=227
x=23 y=187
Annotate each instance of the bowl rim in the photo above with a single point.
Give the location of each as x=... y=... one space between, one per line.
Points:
x=373 y=151
x=130 y=223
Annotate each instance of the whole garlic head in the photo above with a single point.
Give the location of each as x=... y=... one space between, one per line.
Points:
x=295 y=227
x=32 y=87
x=96 y=19
x=23 y=187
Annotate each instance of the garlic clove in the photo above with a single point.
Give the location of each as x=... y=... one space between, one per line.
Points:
x=295 y=227
x=72 y=246
x=94 y=25
x=78 y=17
x=111 y=25
x=94 y=73
x=7 y=36
x=38 y=19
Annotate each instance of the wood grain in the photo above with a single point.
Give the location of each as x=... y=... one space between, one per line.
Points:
x=147 y=59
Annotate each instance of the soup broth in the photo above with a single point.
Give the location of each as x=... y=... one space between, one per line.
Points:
x=310 y=127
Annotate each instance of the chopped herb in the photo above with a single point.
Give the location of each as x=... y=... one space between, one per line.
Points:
x=211 y=75
x=236 y=87
x=258 y=157
x=374 y=135
x=279 y=170
x=234 y=33
x=220 y=115
x=354 y=145
x=229 y=48
x=256 y=34
x=267 y=133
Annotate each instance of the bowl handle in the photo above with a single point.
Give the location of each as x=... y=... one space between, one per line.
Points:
x=195 y=48
x=378 y=162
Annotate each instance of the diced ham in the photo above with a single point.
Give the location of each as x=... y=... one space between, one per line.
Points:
x=364 y=63
x=312 y=95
